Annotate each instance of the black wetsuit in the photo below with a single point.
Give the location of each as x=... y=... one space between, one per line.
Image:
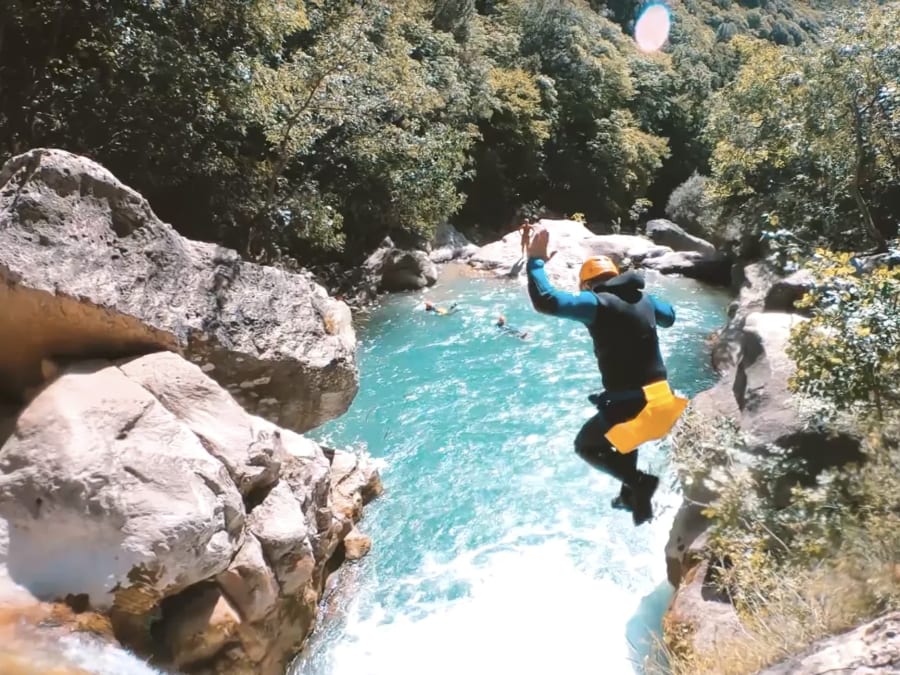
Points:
x=622 y=320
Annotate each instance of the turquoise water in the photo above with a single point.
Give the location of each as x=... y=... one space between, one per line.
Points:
x=495 y=549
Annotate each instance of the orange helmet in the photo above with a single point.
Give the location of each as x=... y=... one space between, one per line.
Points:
x=597 y=266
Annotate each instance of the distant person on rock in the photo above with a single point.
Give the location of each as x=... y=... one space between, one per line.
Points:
x=440 y=310
x=637 y=404
x=501 y=324
x=525 y=231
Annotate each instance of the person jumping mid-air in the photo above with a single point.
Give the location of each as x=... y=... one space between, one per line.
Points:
x=637 y=404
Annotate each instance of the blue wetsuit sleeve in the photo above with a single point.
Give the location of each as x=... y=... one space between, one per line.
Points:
x=547 y=300
x=665 y=313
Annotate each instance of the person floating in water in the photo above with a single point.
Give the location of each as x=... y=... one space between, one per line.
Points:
x=637 y=404
x=501 y=324
x=440 y=310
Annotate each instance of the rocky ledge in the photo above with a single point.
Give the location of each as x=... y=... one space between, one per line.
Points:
x=152 y=480
x=777 y=428
x=87 y=269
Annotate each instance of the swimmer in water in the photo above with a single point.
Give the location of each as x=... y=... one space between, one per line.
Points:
x=501 y=324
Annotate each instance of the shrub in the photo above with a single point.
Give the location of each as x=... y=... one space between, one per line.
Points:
x=849 y=352
x=691 y=207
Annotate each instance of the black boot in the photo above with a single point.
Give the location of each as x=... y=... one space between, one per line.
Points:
x=625 y=500
x=642 y=505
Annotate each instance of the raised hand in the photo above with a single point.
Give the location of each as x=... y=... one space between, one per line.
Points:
x=537 y=247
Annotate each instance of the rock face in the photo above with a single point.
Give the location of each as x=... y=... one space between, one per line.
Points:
x=777 y=431
x=870 y=649
x=753 y=285
x=776 y=427
x=667 y=233
x=87 y=269
x=143 y=490
x=449 y=244
x=393 y=269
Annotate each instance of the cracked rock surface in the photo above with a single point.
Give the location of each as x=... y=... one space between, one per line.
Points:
x=88 y=270
x=141 y=487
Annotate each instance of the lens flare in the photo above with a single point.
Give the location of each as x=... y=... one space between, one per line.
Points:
x=652 y=28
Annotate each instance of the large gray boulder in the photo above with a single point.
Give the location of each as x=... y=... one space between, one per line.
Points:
x=870 y=649
x=141 y=488
x=106 y=493
x=711 y=268
x=667 y=233
x=86 y=268
x=449 y=244
x=392 y=269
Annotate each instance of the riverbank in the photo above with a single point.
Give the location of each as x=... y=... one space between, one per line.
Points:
x=784 y=536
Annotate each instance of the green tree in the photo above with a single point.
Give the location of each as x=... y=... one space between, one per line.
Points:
x=810 y=140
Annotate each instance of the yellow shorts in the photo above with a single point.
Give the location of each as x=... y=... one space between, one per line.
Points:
x=653 y=422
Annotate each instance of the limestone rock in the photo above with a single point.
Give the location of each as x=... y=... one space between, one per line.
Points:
x=761 y=378
x=785 y=293
x=754 y=282
x=699 y=616
x=624 y=248
x=281 y=528
x=119 y=492
x=105 y=493
x=392 y=269
x=199 y=624
x=407 y=270
x=87 y=269
x=449 y=244
x=251 y=452
x=249 y=582
x=667 y=233
x=355 y=482
x=356 y=545
x=871 y=649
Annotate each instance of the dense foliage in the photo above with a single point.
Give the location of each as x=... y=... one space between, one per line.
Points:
x=798 y=572
x=848 y=353
x=808 y=140
x=299 y=126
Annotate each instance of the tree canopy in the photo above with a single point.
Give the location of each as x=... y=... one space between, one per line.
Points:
x=308 y=129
